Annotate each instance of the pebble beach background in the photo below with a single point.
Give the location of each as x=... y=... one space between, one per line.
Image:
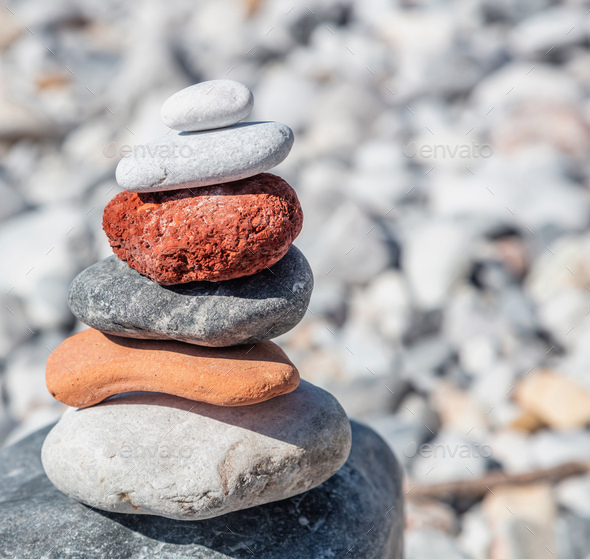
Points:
x=441 y=158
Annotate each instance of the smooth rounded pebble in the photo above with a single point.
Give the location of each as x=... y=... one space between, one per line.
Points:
x=91 y=366
x=112 y=297
x=207 y=105
x=358 y=508
x=157 y=454
x=216 y=233
x=191 y=160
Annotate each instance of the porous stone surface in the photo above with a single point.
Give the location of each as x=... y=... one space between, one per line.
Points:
x=91 y=366
x=207 y=105
x=215 y=233
x=146 y=453
x=360 y=507
x=114 y=298
x=190 y=160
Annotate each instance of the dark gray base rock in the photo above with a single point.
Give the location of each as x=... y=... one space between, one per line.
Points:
x=113 y=298
x=358 y=512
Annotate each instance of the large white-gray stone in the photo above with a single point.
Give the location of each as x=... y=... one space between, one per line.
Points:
x=193 y=159
x=207 y=105
x=150 y=453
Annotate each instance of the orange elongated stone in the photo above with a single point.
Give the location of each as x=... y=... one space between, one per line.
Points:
x=91 y=366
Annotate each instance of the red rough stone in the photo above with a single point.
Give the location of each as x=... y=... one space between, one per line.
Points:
x=212 y=233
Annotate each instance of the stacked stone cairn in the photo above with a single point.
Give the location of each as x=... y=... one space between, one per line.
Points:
x=181 y=406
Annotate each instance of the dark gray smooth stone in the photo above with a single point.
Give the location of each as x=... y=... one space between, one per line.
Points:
x=112 y=297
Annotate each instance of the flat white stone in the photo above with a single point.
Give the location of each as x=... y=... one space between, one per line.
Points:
x=190 y=160
x=207 y=105
x=149 y=453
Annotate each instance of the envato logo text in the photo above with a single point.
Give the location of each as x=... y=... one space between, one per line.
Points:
x=169 y=151
x=448 y=451
x=161 y=451
x=450 y=151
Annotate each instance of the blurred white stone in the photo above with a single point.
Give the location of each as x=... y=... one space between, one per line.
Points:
x=148 y=62
x=420 y=544
x=512 y=449
x=450 y=457
x=555 y=399
x=577 y=66
x=552 y=448
x=13 y=324
x=7 y=423
x=493 y=389
x=563 y=266
x=514 y=10
x=430 y=514
x=519 y=82
x=403 y=437
x=436 y=256
x=284 y=96
x=341 y=117
x=348 y=247
x=41 y=252
x=349 y=54
x=56 y=179
x=521 y=519
x=416 y=38
x=423 y=361
x=572 y=536
x=533 y=191
x=384 y=304
x=10 y=29
x=38 y=419
x=444 y=146
x=90 y=144
x=518 y=309
x=477 y=354
x=558 y=282
x=574 y=494
x=319 y=186
x=24 y=377
x=365 y=352
x=370 y=12
x=416 y=408
x=560 y=125
x=12 y=202
x=576 y=363
x=475 y=537
x=365 y=397
x=459 y=410
x=467 y=315
x=328 y=297
x=41 y=14
x=19 y=121
x=555 y=28
x=380 y=178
